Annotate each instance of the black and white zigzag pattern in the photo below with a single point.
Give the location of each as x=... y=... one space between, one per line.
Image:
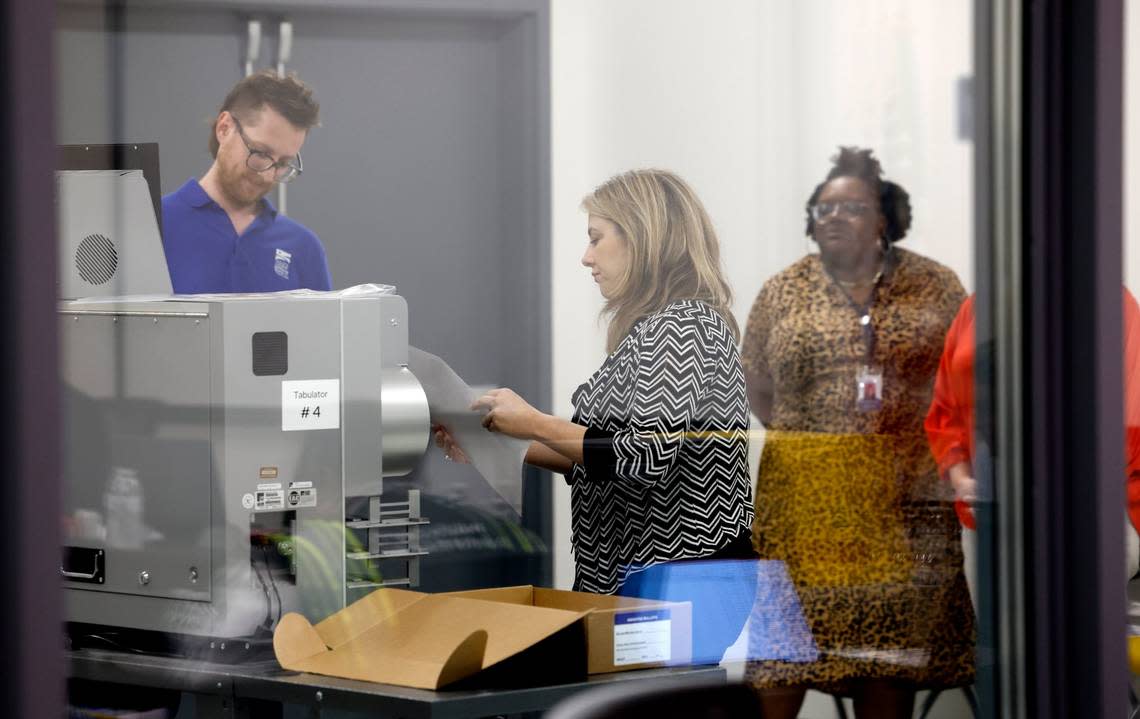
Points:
x=673 y=395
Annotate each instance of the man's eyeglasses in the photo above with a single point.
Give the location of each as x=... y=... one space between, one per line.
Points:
x=821 y=210
x=260 y=161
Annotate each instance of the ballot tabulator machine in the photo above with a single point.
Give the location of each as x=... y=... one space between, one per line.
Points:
x=215 y=445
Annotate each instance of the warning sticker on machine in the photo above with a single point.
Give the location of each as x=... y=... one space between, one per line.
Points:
x=301 y=496
x=641 y=637
x=270 y=499
x=310 y=404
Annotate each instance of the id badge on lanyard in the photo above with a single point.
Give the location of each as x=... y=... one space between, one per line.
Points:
x=869 y=378
x=869 y=389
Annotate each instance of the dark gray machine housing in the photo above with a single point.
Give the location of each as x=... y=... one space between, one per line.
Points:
x=211 y=445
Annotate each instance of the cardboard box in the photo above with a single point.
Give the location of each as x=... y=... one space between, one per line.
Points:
x=622 y=633
x=429 y=641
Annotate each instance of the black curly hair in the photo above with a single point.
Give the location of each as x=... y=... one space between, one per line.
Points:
x=894 y=202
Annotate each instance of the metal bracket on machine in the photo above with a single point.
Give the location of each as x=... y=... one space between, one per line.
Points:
x=393 y=531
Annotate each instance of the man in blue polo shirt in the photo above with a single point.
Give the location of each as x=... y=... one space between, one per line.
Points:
x=220 y=233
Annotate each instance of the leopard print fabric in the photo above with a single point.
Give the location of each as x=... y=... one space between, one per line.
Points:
x=850 y=501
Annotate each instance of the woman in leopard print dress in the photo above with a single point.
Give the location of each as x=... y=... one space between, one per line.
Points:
x=840 y=354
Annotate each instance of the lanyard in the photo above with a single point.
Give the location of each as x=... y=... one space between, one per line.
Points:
x=863 y=312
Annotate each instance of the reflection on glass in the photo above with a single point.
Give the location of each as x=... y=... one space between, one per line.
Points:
x=840 y=354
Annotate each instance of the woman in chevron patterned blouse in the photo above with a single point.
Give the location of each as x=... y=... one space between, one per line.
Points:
x=656 y=452
x=840 y=354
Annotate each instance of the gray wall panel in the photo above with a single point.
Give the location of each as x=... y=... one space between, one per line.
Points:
x=405 y=186
x=161 y=80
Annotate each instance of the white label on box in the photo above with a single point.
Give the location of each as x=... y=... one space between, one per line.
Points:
x=310 y=404
x=642 y=637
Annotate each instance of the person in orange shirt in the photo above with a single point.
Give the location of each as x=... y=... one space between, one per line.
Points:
x=950 y=422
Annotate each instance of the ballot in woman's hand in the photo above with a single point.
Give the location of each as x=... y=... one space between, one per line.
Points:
x=447 y=443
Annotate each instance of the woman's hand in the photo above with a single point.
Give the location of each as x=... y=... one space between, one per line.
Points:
x=508 y=414
x=964 y=484
x=446 y=442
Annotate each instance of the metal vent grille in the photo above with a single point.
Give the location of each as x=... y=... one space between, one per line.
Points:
x=96 y=259
x=270 y=353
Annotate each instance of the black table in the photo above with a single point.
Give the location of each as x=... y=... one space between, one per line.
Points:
x=223 y=690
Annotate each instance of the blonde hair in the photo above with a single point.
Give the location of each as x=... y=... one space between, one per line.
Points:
x=673 y=249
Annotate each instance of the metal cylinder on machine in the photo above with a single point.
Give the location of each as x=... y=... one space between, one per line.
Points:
x=404 y=420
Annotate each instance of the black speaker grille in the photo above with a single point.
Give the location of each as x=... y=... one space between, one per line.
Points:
x=270 y=353
x=96 y=259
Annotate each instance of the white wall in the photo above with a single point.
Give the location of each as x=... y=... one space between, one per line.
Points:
x=747 y=100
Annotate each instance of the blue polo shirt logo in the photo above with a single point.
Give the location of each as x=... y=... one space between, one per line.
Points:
x=281 y=263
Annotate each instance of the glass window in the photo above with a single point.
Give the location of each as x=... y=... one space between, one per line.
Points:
x=779 y=331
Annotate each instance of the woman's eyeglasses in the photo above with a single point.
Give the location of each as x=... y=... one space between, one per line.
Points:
x=821 y=210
